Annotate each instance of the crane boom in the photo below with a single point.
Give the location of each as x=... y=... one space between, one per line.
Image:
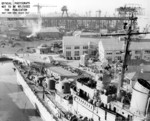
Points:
x=40 y=6
x=43 y=6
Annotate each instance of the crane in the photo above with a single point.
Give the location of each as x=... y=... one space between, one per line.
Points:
x=64 y=9
x=128 y=8
x=99 y=13
x=39 y=7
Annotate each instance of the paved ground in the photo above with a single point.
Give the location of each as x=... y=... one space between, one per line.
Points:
x=11 y=47
x=14 y=105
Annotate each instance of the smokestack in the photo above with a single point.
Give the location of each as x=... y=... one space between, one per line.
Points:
x=140 y=97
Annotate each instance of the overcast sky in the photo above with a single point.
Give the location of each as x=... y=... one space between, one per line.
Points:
x=82 y=6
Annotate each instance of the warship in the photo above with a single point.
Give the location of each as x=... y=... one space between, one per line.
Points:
x=63 y=93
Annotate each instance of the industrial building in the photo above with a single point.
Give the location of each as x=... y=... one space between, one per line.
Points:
x=44 y=33
x=90 y=35
x=43 y=49
x=24 y=31
x=75 y=46
x=49 y=32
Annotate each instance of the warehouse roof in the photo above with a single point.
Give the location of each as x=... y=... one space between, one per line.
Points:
x=112 y=44
x=76 y=40
x=62 y=72
x=49 y=29
x=116 y=44
x=140 y=46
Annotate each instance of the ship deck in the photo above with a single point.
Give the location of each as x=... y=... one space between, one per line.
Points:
x=38 y=90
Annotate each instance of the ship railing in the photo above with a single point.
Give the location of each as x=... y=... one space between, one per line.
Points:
x=92 y=104
x=64 y=113
x=102 y=106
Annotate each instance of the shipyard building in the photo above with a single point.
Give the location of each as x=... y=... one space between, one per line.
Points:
x=49 y=32
x=23 y=32
x=75 y=46
x=43 y=49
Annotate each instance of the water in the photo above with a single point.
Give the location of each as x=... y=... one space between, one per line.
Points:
x=14 y=105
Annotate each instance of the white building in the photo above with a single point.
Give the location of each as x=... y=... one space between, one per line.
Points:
x=114 y=49
x=74 y=46
x=43 y=49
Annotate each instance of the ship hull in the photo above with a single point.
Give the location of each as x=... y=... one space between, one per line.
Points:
x=43 y=112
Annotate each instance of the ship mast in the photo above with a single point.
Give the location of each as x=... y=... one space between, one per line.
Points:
x=127 y=52
x=128 y=39
x=129 y=32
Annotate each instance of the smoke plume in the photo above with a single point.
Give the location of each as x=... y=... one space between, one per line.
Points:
x=34 y=27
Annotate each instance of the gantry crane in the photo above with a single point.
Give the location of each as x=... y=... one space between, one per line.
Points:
x=64 y=9
x=128 y=8
x=39 y=7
